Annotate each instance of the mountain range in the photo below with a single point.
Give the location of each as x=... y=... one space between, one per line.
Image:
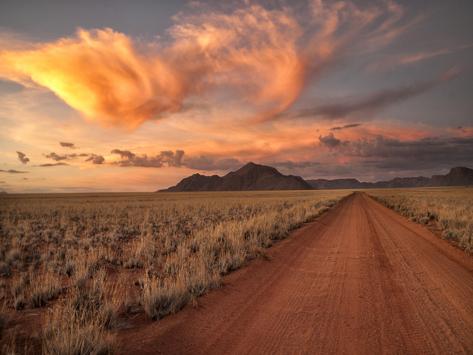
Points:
x=253 y=176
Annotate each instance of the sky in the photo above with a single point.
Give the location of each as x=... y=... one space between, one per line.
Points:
x=133 y=96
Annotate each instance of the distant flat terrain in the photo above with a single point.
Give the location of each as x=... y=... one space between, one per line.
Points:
x=360 y=279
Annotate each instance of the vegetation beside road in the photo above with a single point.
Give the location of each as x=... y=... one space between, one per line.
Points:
x=449 y=209
x=85 y=261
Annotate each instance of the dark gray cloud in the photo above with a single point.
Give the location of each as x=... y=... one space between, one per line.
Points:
x=47 y=165
x=67 y=145
x=61 y=157
x=124 y=154
x=172 y=158
x=22 y=157
x=56 y=157
x=383 y=158
x=13 y=171
x=96 y=159
x=206 y=162
x=339 y=128
x=164 y=158
x=330 y=140
x=427 y=153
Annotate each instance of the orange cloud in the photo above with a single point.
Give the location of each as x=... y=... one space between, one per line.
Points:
x=100 y=74
x=252 y=53
x=258 y=57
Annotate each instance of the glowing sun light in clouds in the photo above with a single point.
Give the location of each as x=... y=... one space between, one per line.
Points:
x=254 y=54
x=100 y=74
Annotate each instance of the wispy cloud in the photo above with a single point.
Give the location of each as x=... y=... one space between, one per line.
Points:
x=412 y=58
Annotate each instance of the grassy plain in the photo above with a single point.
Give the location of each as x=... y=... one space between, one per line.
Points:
x=74 y=266
x=449 y=209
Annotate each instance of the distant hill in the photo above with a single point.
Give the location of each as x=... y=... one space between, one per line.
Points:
x=260 y=177
x=459 y=176
x=248 y=178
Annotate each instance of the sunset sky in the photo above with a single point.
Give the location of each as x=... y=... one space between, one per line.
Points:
x=133 y=96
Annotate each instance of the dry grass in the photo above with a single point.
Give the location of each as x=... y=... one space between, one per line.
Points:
x=86 y=260
x=450 y=209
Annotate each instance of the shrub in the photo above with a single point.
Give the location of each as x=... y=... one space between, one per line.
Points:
x=43 y=289
x=162 y=298
x=71 y=331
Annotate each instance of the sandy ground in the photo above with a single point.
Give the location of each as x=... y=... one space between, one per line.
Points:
x=359 y=280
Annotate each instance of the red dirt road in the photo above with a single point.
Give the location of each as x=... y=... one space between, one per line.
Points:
x=359 y=280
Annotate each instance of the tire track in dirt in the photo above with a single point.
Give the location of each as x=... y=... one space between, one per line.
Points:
x=360 y=279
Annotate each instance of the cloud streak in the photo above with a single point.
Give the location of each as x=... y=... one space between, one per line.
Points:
x=67 y=145
x=257 y=56
x=375 y=101
x=13 y=171
x=351 y=125
x=412 y=58
x=48 y=165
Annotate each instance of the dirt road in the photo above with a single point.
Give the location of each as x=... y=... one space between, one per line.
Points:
x=360 y=280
